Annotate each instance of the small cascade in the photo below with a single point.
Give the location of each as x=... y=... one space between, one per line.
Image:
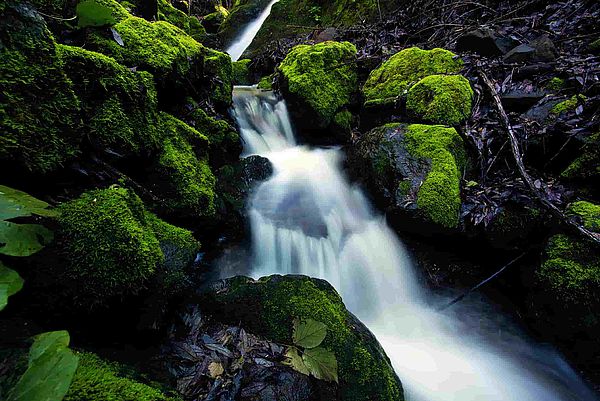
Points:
x=241 y=43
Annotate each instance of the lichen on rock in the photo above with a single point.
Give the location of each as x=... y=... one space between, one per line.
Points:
x=440 y=99
x=394 y=77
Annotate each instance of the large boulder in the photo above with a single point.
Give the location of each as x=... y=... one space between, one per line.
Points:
x=268 y=307
x=38 y=108
x=320 y=84
x=414 y=169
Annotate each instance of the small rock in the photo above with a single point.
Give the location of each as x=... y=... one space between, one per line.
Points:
x=539 y=49
x=481 y=41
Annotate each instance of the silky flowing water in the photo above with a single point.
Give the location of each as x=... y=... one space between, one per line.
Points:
x=308 y=219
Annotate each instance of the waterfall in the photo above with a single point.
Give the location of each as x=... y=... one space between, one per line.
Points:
x=308 y=219
x=245 y=38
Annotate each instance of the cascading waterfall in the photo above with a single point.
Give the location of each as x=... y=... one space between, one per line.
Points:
x=307 y=219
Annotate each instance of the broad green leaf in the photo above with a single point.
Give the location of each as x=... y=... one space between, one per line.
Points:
x=92 y=13
x=295 y=361
x=321 y=363
x=47 y=342
x=10 y=284
x=50 y=373
x=23 y=239
x=308 y=333
x=14 y=203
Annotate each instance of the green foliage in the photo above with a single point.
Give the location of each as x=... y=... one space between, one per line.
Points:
x=568 y=105
x=10 y=284
x=99 y=380
x=92 y=13
x=308 y=333
x=439 y=195
x=38 y=109
x=395 y=76
x=323 y=77
x=50 y=370
x=183 y=169
x=441 y=99
x=18 y=239
x=321 y=363
x=107 y=247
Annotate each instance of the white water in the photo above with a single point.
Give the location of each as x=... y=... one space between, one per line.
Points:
x=307 y=219
x=245 y=38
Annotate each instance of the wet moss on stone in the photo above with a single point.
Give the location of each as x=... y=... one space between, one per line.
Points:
x=241 y=73
x=556 y=84
x=441 y=99
x=587 y=164
x=395 y=76
x=189 y=24
x=266 y=83
x=567 y=105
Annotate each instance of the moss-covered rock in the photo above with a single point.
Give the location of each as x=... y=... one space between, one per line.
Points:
x=189 y=24
x=414 y=168
x=266 y=83
x=180 y=64
x=268 y=307
x=241 y=72
x=555 y=84
x=119 y=105
x=441 y=99
x=319 y=81
x=567 y=105
x=394 y=77
x=587 y=164
x=108 y=248
x=212 y=22
x=38 y=108
x=181 y=174
x=99 y=380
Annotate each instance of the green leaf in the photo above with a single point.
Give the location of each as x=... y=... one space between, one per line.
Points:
x=91 y=13
x=50 y=372
x=14 y=203
x=308 y=333
x=321 y=363
x=10 y=284
x=23 y=239
x=295 y=361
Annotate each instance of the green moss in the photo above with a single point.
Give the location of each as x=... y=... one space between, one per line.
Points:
x=119 y=105
x=589 y=214
x=323 y=77
x=266 y=83
x=38 y=108
x=556 y=84
x=99 y=380
x=364 y=373
x=107 y=248
x=568 y=105
x=221 y=135
x=587 y=164
x=395 y=76
x=187 y=181
x=241 y=72
x=218 y=68
x=189 y=24
x=439 y=195
x=441 y=99
x=179 y=248
x=343 y=120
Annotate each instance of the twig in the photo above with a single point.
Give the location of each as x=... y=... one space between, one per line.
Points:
x=464 y=294
x=523 y=172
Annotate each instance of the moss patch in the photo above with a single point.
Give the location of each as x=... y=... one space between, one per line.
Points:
x=322 y=77
x=189 y=24
x=567 y=105
x=266 y=83
x=441 y=99
x=587 y=164
x=100 y=380
x=107 y=247
x=555 y=84
x=38 y=108
x=241 y=73
x=394 y=77
x=365 y=373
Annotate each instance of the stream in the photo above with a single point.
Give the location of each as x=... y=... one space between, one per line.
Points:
x=308 y=219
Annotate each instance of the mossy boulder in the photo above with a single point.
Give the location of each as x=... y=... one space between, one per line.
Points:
x=319 y=82
x=181 y=174
x=188 y=23
x=241 y=72
x=567 y=301
x=267 y=307
x=111 y=247
x=99 y=380
x=440 y=99
x=38 y=108
x=212 y=22
x=179 y=63
x=413 y=169
x=586 y=165
x=119 y=105
x=392 y=80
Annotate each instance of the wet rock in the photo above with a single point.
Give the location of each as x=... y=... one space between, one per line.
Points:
x=522 y=98
x=541 y=110
x=481 y=41
x=539 y=49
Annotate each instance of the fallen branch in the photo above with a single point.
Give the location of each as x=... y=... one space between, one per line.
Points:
x=460 y=297
x=530 y=182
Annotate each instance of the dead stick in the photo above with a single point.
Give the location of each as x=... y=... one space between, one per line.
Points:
x=524 y=174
